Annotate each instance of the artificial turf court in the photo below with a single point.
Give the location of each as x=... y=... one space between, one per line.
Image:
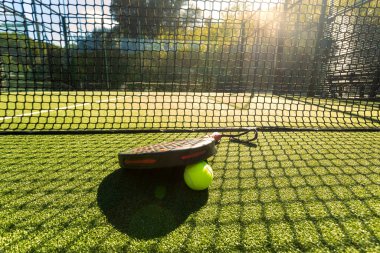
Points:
x=81 y=81
x=291 y=191
x=141 y=110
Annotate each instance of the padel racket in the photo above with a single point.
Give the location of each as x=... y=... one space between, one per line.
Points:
x=173 y=154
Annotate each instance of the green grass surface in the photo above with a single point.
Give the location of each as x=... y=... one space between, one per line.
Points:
x=110 y=110
x=293 y=191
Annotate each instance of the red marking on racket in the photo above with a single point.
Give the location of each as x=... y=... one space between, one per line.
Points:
x=193 y=155
x=145 y=161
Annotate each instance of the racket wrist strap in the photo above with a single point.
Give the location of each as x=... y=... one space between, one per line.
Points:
x=236 y=137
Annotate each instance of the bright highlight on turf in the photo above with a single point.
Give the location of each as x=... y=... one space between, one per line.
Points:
x=198 y=176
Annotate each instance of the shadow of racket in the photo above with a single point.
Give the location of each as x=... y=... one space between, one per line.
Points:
x=147 y=204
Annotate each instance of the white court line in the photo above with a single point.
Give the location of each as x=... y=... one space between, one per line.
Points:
x=58 y=109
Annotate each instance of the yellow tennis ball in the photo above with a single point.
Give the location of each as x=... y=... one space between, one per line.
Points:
x=198 y=176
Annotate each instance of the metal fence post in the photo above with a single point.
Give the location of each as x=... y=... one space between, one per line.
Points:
x=67 y=50
x=317 y=53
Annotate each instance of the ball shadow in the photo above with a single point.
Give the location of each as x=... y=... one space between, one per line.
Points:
x=148 y=204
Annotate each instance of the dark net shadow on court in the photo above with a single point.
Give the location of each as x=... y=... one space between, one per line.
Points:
x=298 y=191
x=293 y=191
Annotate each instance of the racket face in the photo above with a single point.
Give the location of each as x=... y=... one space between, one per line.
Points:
x=170 y=154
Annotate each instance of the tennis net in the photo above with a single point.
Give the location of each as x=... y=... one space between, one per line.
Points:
x=175 y=64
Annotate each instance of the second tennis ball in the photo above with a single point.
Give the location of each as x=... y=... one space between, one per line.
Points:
x=198 y=176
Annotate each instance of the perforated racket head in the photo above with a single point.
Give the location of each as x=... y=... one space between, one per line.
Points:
x=170 y=154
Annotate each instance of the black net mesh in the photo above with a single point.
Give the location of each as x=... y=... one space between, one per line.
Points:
x=176 y=64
